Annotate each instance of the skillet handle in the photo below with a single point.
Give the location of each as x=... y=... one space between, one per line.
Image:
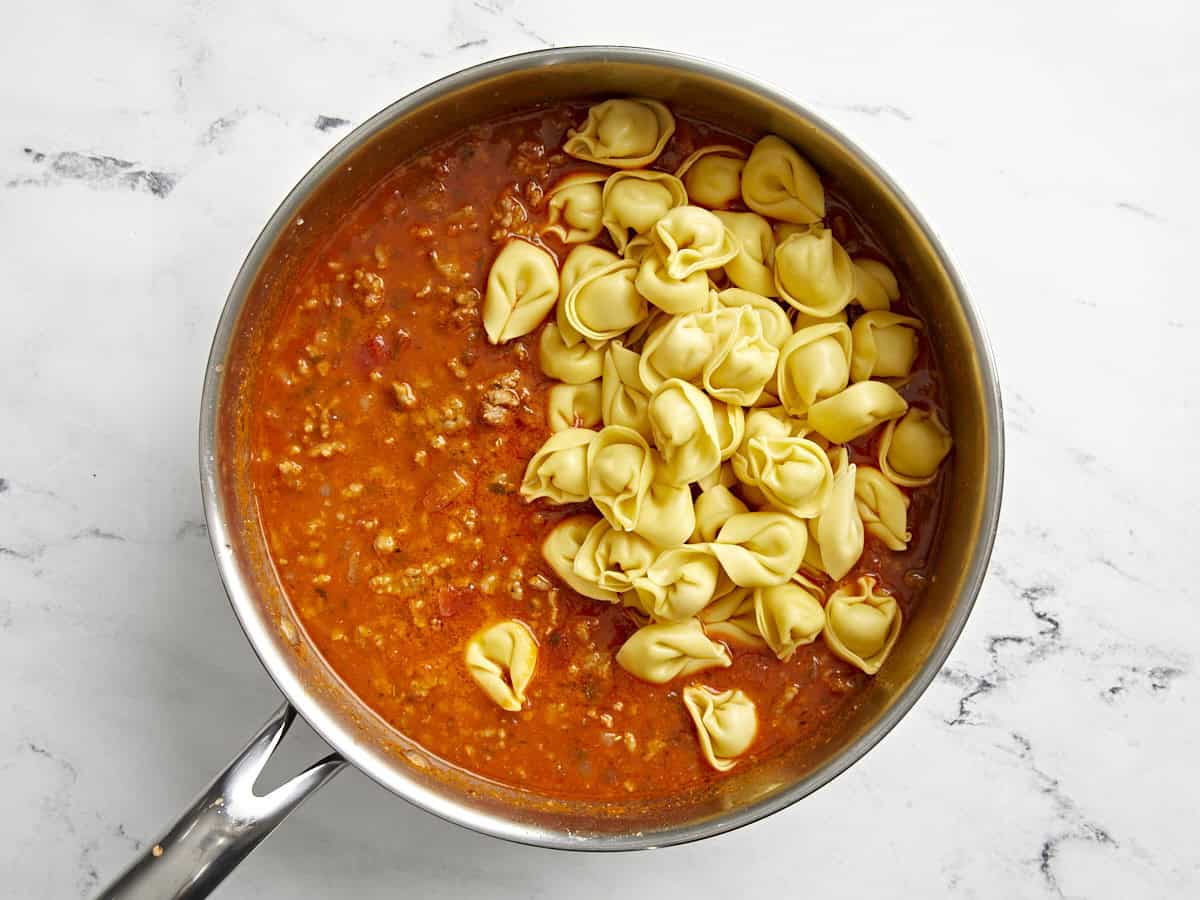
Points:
x=223 y=825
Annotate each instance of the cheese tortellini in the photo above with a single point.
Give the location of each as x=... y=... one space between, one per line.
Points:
x=574 y=365
x=667 y=517
x=575 y=207
x=521 y=289
x=732 y=385
x=853 y=412
x=726 y=724
x=574 y=406
x=733 y=618
x=624 y=134
x=671 y=295
x=744 y=361
x=730 y=419
x=759 y=549
x=680 y=583
x=813 y=273
x=604 y=303
x=883 y=508
x=912 y=449
x=776 y=327
x=684 y=346
x=813 y=364
x=662 y=652
x=561 y=548
x=635 y=200
x=691 y=239
x=751 y=269
x=582 y=260
x=793 y=473
x=778 y=182
x=789 y=615
x=861 y=624
x=558 y=471
x=713 y=508
x=623 y=397
x=613 y=559
x=620 y=470
x=838 y=529
x=875 y=285
x=713 y=175
x=885 y=345
x=501 y=658
x=685 y=431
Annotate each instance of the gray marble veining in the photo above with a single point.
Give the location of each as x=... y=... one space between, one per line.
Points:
x=141 y=152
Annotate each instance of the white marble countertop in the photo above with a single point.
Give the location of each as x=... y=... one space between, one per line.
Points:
x=1051 y=143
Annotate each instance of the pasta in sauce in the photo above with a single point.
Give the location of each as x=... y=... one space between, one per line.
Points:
x=587 y=488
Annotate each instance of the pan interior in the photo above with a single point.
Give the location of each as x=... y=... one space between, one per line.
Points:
x=351 y=170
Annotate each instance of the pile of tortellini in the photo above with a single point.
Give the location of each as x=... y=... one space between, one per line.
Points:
x=704 y=420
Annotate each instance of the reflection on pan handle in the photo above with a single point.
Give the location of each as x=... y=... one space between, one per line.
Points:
x=223 y=825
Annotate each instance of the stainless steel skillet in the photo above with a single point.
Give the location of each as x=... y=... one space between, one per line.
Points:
x=228 y=819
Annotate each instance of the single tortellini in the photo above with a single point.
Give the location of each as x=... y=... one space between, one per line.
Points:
x=839 y=528
x=558 y=470
x=671 y=295
x=743 y=363
x=691 y=239
x=582 y=260
x=634 y=201
x=684 y=430
x=730 y=419
x=779 y=183
x=623 y=397
x=722 y=475
x=624 y=134
x=789 y=615
x=726 y=724
x=574 y=365
x=620 y=470
x=793 y=473
x=861 y=624
x=813 y=273
x=604 y=303
x=875 y=285
x=501 y=658
x=713 y=508
x=680 y=583
x=661 y=652
x=684 y=346
x=813 y=364
x=613 y=559
x=575 y=207
x=752 y=268
x=574 y=406
x=668 y=516
x=776 y=327
x=759 y=549
x=883 y=508
x=912 y=449
x=713 y=175
x=855 y=411
x=561 y=548
x=521 y=289
x=885 y=345
x=733 y=618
